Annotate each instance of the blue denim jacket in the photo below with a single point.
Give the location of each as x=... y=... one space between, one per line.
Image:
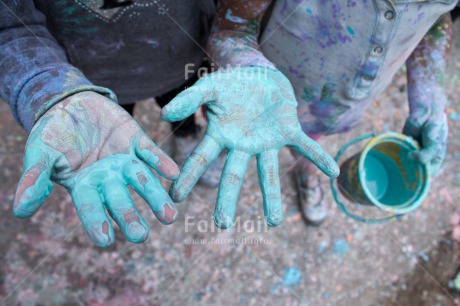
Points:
x=340 y=55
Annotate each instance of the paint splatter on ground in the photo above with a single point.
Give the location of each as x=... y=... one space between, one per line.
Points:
x=341 y=247
x=292 y=276
x=49 y=260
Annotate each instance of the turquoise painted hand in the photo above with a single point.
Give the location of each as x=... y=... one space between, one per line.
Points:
x=430 y=129
x=427 y=122
x=251 y=112
x=95 y=149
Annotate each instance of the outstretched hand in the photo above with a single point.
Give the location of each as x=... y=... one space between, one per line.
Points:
x=251 y=112
x=90 y=145
x=429 y=127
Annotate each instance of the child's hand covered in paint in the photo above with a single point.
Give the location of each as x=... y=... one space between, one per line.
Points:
x=427 y=122
x=91 y=146
x=251 y=112
x=429 y=127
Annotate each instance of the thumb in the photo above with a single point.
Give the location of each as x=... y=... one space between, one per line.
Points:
x=413 y=129
x=432 y=137
x=152 y=155
x=188 y=102
x=35 y=184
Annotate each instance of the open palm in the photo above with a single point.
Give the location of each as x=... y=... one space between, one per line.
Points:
x=251 y=112
x=95 y=149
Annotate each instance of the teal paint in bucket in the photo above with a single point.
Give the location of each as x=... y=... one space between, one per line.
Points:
x=383 y=175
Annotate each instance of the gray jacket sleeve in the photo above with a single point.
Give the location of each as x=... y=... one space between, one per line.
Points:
x=34 y=71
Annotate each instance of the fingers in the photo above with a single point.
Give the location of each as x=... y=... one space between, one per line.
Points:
x=437 y=162
x=151 y=190
x=153 y=156
x=267 y=166
x=121 y=207
x=430 y=130
x=434 y=141
x=433 y=135
x=91 y=212
x=229 y=188
x=312 y=151
x=428 y=152
x=187 y=102
x=35 y=184
x=412 y=128
x=195 y=165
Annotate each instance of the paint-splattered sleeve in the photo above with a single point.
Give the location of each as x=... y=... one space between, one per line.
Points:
x=426 y=68
x=235 y=33
x=34 y=71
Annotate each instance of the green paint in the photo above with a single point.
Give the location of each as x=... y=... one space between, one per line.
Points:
x=327 y=94
x=308 y=94
x=350 y=30
x=257 y=129
x=440 y=29
x=76 y=145
x=377 y=177
x=383 y=174
x=73 y=21
x=253 y=27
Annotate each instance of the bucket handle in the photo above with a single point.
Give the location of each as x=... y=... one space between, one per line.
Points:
x=335 y=193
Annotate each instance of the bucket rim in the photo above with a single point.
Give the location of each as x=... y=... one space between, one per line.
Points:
x=407 y=206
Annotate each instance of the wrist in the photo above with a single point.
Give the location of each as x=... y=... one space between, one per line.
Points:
x=428 y=96
x=47 y=87
x=428 y=109
x=236 y=49
x=74 y=104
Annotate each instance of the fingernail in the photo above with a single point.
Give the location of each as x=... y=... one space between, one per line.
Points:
x=274 y=220
x=223 y=223
x=137 y=232
x=170 y=213
x=101 y=236
x=164 y=112
x=336 y=171
x=18 y=212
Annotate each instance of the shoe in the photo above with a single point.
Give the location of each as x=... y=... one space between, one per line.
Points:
x=184 y=146
x=311 y=197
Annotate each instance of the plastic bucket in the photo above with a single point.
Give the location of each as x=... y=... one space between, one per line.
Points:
x=383 y=175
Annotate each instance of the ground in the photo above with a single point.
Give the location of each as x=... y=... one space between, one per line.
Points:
x=49 y=259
